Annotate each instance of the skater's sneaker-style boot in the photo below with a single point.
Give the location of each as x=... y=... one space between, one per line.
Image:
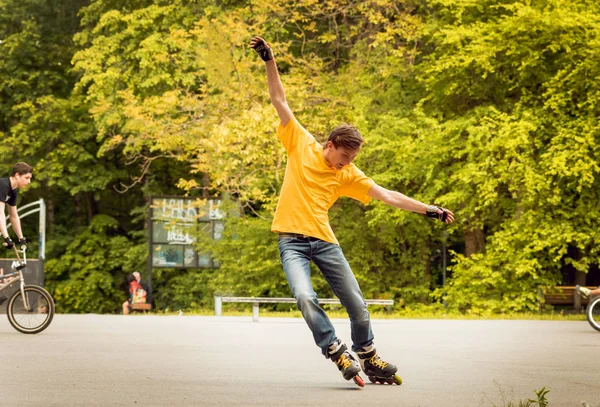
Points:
x=346 y=363
x=584 y=292
x=378 y=370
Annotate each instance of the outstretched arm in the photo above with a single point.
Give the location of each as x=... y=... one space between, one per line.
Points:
x=15 y=221
x=6 y=241
x=276 y=91
x=3 y=229
x=401 y=201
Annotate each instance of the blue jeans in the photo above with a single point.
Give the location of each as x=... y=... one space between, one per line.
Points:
x=296 y=255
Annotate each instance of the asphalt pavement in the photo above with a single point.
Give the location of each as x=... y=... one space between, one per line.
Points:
x=150 y=360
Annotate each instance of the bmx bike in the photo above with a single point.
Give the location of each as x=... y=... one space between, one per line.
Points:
x=31 y=308
x=593 y=312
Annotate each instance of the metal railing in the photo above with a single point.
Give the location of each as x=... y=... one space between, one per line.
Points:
x=255 y=301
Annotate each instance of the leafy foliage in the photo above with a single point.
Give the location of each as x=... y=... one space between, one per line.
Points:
x=488 y=108
x=87 y=276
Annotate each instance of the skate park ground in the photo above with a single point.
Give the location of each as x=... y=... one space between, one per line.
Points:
x=151 y=360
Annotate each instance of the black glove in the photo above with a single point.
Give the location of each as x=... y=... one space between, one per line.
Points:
x=432 y=212
x=262 y=48
x=23 y=243
x=8 y=243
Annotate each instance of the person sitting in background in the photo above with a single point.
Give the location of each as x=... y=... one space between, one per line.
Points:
x=138 y=292
x=148 y=296
x=133 y=286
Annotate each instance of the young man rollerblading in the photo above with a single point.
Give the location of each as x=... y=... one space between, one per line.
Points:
x=315 y=177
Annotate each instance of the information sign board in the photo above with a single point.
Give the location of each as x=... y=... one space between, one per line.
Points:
x=174 y=223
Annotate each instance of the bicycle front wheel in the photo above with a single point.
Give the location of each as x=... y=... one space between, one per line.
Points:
x=593 y=313
x=33 y=313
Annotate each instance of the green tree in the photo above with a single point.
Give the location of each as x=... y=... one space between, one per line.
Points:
x=88 y=276
x=511 y=105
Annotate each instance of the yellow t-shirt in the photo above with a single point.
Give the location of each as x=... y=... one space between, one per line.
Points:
x=311 y=186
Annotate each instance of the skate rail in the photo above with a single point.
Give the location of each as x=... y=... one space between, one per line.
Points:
x=256 y=301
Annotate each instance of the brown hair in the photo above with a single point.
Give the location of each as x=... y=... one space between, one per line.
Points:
x=346 y=136
x=21 y=169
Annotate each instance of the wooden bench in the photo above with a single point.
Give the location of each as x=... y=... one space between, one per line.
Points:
x=563 y=295
x=255 y=301
x=141 y=307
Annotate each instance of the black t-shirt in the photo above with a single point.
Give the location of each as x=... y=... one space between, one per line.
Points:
x=7 y=194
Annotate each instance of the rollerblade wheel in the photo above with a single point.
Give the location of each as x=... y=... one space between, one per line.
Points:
x=397 y=379
x=372 y=379
x=359 y=381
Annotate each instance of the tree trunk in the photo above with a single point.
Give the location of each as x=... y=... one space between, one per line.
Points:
x=428 y=271
x=50 y=215
x=580 y=278
x=205 y=184
x=77 y=208
x=474 y=241
x=91 y=206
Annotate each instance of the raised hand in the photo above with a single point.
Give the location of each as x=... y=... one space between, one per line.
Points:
x=262 y=48
x=437 y=212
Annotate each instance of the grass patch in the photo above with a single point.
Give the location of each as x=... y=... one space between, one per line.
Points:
x=422 y=313
x=539 y=401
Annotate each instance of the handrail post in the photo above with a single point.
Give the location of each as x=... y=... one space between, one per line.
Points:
x=42 y=231
x=218 y=305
